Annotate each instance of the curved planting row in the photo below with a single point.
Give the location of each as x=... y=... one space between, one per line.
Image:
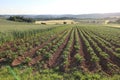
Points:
x=66 y=49
x=81 y=51
x=12 y=50
x=113 y=55
x=104 y=42
x=31 y=52
x=104 y=61
x=90 y=56
x=48 y=49
x=64 y=60
x=76 y=55
x=108 y=34
x=53 y=61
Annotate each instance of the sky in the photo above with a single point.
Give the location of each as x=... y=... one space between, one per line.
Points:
x=58 y=6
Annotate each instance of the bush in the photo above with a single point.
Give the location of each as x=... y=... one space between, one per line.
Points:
x=20 y=19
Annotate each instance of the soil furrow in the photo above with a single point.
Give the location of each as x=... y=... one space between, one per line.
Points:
x=56 y=56
x=73 y=62
x=82 y=53
x=30 y=53
x=40 y=57
x=92 y=66
x=103 y=61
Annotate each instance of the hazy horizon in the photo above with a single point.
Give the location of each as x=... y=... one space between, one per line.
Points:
x=58 y=7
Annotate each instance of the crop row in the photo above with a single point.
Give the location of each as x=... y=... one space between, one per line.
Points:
x=12 y=50
x=102 y=54
x=65 y=49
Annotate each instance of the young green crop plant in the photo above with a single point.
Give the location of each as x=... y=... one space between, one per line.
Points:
x=79 y=58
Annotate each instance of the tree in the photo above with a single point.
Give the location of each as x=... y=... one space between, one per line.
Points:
x=64 y=22
x=20 y=19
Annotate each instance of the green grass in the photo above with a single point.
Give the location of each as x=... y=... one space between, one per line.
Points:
x=50 y=74
x=9 y=29
x=9 y=26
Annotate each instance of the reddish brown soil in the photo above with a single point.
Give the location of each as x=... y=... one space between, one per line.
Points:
x=31 y=53
x=4 y=46
x=72 y=60
x=40 y=57
x=2 y=59
x=56 y=59
x=113 y=44
x=92 y=66
x=10 y=44
x=113 y=58
x=35 y=60
x=103 y=62
x=82 y=65
x=56 y=56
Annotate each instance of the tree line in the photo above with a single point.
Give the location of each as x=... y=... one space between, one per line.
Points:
x=57 y=18
x=21 y=19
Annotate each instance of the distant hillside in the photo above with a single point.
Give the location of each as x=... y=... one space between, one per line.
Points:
x=105 y=15
x=69 y=16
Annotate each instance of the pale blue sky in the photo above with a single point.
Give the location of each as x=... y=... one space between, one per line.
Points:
x=58 y=6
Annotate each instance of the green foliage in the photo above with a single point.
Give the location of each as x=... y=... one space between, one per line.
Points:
x=105 y=55
x=95 y=59
x=77 y=47
x=77 y=75
x=13 y=73
x=38 y=52
x=47 y=55
x=117 y=50
x=49 y=74
x=78 y=57
x=28 y=59
x=20 y=19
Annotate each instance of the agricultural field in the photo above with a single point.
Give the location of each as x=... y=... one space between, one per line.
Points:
x=113 y=25
x=56 y=22
x=59 y=52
